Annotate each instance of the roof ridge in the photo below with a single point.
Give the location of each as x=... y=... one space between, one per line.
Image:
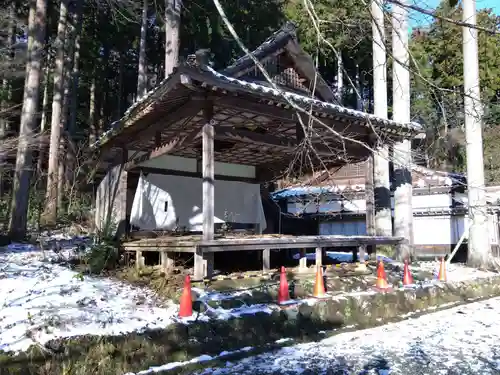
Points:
x=273 y=42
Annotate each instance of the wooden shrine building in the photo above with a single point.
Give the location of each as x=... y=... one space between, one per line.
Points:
x=200 y=127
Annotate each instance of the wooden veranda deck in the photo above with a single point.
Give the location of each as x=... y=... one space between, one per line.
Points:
x=204 y=249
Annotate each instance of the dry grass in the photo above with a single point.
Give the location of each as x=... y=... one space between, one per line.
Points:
x=166 y=286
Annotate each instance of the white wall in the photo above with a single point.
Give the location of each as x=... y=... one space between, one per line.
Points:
x=108 y=208
x=343 y=227
x=165 y=201
x=428 y=230
x=437 y=230
x=178 y=163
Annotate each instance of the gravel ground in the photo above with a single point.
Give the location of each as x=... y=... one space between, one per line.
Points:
x=461 y=341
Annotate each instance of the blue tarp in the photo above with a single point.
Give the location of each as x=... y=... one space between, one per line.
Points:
x=301 y=191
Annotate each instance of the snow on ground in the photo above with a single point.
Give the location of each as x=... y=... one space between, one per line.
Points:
x=40 y=300
x=455 y=271
x=461 y=340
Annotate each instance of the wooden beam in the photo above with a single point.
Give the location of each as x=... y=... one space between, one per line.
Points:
x=264 y=109
x=174 y=143
x=188 y=109
x=158 y=142
x=282 y=143
x=248 y=136
x=158 y=151
x=173 y=172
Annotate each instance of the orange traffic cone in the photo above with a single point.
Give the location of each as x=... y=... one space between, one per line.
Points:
x=186 y=308
x=407 y=277
x=381 y=277
x=319 y=285
x=442 y=271
x=283 y=292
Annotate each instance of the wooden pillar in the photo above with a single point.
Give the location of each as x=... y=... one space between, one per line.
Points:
x=120 y=198
x=362 y=254
x=362 y=264
x=266 y=260
x=302 y=261
x=370 y=202
x=167 y=261
x=204 y=261
x=139 y=260
x=319 y=257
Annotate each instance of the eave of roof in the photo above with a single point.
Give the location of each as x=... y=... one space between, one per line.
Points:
x=209 y=76
x=304 y=102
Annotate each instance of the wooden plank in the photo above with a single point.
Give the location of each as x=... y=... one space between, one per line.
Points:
x=259 y=247
x=266 y=260
x=311 y=241
x=159 y=248
x=173 y=172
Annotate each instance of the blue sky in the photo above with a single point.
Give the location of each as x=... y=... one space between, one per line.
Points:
x=418 y=19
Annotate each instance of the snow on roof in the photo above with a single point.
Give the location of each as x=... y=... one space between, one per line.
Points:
x=422 y=177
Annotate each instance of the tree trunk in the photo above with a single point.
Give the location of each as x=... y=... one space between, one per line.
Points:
x=75 y=74
x=381 y=182
x=50 y=212
x=6 y=103
x=403 y=210
x=479 y=241
x=94 y=127
x=64 y=170
x=24 y=160
x=73 y=105
x=119 y=104
x=64 y=139
x=43 y=122
x=142 y=78
x=172 y=29
x=360 y=99
x=340 y=79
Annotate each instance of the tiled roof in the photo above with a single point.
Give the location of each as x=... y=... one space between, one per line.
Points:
x=117 y=126
x=276 y=41
x=305 y=102
x=422 y=178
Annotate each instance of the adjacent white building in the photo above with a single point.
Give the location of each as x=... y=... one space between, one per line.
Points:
x=439 y=209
